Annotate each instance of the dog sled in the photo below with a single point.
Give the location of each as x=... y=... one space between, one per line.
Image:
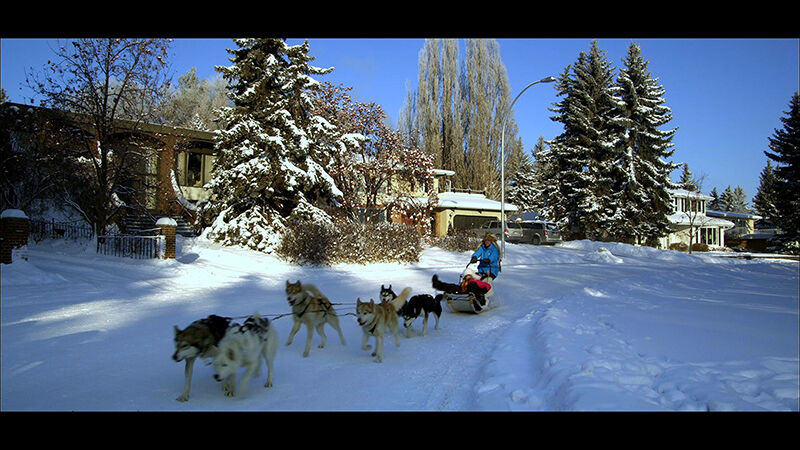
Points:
x=468 y=302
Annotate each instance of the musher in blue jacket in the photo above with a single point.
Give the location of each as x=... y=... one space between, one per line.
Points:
x=489 y=256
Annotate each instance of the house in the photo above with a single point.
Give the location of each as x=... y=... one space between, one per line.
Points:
x=455 y=209
x=180 y=161
x=466 y=209
x=690 y=222
x=743 y=223
x=170 y=177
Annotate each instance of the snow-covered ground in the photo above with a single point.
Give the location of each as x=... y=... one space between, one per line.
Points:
x=579 y=327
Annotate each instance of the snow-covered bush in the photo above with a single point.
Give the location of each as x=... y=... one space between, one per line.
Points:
x=680 y=246
x=319 y=243
x=458 y=241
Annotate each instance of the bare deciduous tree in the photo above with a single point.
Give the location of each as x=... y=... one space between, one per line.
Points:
x=108 y=86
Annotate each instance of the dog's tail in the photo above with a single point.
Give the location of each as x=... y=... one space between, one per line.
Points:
x=401 y=299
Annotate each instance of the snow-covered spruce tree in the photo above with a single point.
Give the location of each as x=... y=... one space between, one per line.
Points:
x=642 y=193
x=766 y=197
x=688 y=181
x=273 y=152
x=583 y=157
x=713 y=204
x=785 y=151
x=523 y=183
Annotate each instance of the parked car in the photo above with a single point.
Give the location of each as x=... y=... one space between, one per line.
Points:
x=539 y=232
x=513 y=230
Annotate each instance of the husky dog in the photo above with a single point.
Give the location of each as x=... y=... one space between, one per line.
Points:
x=376 y=318
x=419 y=305
x=245 y=346
x=199 y=339
x=313 y=309
x=414 y=307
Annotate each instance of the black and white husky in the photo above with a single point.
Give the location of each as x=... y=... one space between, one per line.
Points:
x=199 y=339
x=418 y=305
x=245 y=346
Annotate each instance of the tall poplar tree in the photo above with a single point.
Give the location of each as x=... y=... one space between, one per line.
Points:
x=487 y=97
x=273 y=154
x=456 y=111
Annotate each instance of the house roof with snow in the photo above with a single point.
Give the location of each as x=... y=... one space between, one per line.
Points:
x=689 y=194
x=732 y=215
x=475 y=202
x=699 y=220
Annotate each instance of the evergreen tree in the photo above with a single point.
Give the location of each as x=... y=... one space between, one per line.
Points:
x=273 y=153
x=585 y=154
x=642 y=189
x=785 y=151
x=726 y=200
x=738 y=201
x=522 y=184
x=714 y=203
x=766 y=198
x=732 y=200
x=688 y=180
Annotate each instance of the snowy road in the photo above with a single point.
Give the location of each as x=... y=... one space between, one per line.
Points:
x=571 y=329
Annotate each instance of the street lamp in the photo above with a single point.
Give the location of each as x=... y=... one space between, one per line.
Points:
x=503 y=166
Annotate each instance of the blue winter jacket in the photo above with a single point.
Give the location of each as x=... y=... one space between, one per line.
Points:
x=493 y=254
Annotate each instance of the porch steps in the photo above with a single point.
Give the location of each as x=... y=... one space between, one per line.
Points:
x=144 y=224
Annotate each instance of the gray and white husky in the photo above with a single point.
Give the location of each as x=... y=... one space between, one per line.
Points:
x=199 y=339
x=244 y=346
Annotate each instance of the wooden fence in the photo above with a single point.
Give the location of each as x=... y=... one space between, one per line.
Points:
x=43 y=229
x=137 y=247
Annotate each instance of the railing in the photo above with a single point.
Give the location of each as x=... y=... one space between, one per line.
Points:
x=137 y=247
x=42 y=229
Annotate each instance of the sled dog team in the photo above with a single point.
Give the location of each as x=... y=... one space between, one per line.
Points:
x=232 y=347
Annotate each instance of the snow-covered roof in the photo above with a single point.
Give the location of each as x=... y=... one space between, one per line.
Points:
x=700 y=220
x=444 y=172
x=478 y=202
x=689 y=194
x=732 y=215
x=13 y=213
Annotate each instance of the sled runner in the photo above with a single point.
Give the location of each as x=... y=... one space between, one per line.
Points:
x=468 y=302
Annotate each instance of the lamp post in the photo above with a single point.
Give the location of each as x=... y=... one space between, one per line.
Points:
x=503 y=166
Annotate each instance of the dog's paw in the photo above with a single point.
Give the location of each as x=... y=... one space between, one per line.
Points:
x=183 y=398
x=366 y=347
x=268 y=384
x=321 y=346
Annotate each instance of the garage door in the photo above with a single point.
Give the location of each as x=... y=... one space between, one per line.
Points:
x=461 y=222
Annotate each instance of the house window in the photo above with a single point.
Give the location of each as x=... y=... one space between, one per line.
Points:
x=194 y=170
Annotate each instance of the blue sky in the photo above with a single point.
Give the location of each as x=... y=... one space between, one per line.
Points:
x=727 y=95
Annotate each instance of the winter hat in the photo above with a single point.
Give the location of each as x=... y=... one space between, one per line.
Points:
x=490 y=237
